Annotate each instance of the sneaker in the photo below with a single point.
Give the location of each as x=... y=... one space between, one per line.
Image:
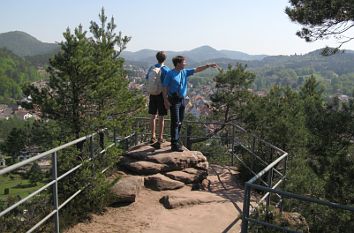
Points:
x=176 y=148
x=156 y=145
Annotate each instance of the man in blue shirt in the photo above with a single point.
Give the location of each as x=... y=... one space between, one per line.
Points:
x=174 y=93
x=156 y=104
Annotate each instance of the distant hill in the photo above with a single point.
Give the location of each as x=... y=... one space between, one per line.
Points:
x=196 y=55
x=23 y=44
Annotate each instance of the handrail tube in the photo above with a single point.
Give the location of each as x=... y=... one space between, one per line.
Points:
x=274 y=187
x=302 y=198
x=55 y=179
x=26 y=198
x=71 y=197
x=265 y=163
x=40 y=190
x=55 y=211
x=39 y=156
x=42 y=221
x=266 y=169
x=250 y=170
x=255 y=136
x=228 y=123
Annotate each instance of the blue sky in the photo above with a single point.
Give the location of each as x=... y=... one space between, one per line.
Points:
x=252 y=26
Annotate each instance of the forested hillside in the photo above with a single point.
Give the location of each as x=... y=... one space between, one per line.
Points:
x=23 y=44
x=335 y=73
x=14 y=72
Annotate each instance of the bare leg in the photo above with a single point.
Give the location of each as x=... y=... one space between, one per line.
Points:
x=153 y=126
x=161 y=127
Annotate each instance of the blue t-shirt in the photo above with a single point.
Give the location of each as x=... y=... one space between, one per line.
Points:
x=164 y=71
x=176 y=81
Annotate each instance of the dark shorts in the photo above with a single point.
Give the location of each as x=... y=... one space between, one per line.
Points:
x=156 y=105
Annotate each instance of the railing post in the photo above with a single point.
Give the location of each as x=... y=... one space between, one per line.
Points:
x=55 y=191
x=91 y=147
x=126 y=143
x=233 y=145
x=246 y=209
x=115 y=136
x=135 y=137
x=253 y=143
x=101 y=135
x=189 y=134
x=138 y=130
x=270 y=178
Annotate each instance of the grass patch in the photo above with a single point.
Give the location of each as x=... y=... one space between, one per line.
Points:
x=17 y=186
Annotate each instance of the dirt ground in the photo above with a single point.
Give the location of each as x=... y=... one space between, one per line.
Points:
x=148 y=215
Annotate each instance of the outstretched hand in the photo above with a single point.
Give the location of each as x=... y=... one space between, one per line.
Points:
x=214 y=65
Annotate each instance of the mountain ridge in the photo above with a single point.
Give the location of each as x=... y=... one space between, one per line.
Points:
x=201 y=53
x=38 y=53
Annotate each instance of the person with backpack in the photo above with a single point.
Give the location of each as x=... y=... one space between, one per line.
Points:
x=174 y=93
x=154 y=78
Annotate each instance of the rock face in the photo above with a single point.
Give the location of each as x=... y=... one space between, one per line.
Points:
x=166 y=170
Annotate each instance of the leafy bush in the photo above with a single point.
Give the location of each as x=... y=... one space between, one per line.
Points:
x=293 y=221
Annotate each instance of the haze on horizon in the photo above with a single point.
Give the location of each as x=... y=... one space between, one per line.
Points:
x=253 y=27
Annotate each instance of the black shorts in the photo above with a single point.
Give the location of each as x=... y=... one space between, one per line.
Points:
x=156 y=105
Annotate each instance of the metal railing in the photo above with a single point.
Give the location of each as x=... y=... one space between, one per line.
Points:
x=268 y=188
x=267 y=177
x=241 y=145
x=55 y=178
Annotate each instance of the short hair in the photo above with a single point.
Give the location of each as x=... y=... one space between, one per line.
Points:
x=161 y=56
x=177 y=59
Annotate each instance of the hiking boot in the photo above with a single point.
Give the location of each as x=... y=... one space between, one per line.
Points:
x=152 y=140
x=176 y=148
x=156 y=145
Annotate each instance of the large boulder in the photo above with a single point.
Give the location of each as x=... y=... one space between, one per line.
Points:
x=126 y=189
x=160 y=182
x=177 y=160
x=188 y=176
x=179 y=200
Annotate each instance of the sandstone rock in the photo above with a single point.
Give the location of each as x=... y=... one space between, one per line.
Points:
x=200 y=156
x=182 y=176
x=175 y=160
x=126 y=189
x=194 y=171
x=186 y=177
x=160 y=182
x=140 y=152
x=202 y=165
x=145 y=167
x=192 y=198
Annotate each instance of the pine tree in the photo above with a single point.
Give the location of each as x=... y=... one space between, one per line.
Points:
x=323 y=19
x=232 y=94
x=88 y=88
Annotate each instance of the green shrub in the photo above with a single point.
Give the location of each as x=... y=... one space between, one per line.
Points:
x=6 y=191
